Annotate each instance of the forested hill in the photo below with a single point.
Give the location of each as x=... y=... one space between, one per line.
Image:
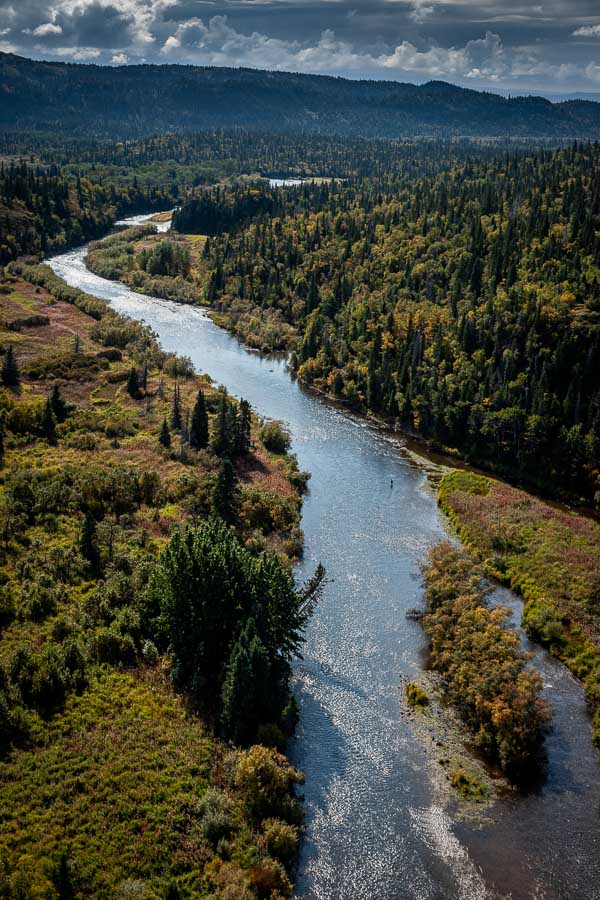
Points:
x=136 y=100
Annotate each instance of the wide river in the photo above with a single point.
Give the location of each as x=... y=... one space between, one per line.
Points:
x=375 y=829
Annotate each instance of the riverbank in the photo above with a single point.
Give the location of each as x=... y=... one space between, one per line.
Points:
x=112 y=783
x=549 y=556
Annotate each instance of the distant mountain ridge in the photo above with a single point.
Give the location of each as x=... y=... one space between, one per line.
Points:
x=130 y=101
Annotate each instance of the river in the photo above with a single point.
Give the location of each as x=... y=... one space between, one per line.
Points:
x=375 y=829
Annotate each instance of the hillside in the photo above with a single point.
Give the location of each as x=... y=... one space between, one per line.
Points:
x=136 y=100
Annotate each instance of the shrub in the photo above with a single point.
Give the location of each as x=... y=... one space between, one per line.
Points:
x=486 y=673
x=281 y=839
x=466 y=784
x=275 y=437
x=416 y=696
x=33 y=321
x=265 y=780
x=178 y=366
x=150 y=654
x=41 y=677
x=269 y=879
x=108 y=646
x=216 y=815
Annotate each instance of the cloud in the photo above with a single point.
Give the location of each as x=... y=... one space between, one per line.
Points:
x=421 y=10
x=111 y=23
x=46 y=29
x=218 y=43
x=119 y=59
x=79 y=54
x=587 y=31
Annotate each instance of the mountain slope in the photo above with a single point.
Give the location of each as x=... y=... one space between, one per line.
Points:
x=135 y=100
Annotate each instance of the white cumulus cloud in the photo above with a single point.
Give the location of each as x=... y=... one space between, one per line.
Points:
x=79 y=54
x=587 y=31
x=46 y=29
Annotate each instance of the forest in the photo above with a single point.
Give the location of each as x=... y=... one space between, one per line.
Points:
x=463 y=306
x=39 y=96
x=43 y=210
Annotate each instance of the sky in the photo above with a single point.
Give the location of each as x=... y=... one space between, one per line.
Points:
x=552 y=47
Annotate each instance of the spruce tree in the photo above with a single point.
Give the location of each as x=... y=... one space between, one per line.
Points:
x=246 y=694
x=10 y=369
x=88 y=542
x=164 y=437
x=176 y=410
x=133 y=383
x=58 y=405
x=225 y=494
x=48 y=424
x=222 y=435
x=199 y=424
x=63 y=880
x=243 y=429
x=1 y=443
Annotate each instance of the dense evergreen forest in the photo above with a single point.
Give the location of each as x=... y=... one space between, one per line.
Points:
x=89 y=99
x=56 y=191
x=463 y=305
x=44 y=209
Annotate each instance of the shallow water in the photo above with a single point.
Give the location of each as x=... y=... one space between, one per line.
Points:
x=374 y=826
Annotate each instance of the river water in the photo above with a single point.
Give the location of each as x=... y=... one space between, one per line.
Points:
x=375 y=828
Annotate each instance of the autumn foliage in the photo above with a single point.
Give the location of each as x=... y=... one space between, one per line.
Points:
x=486 y=672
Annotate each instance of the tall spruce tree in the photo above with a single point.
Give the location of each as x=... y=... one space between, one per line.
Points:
x=10 y=369
x=199 y=424
x=133 y=383
x=48 y=423
x=176 y=420
x=247 y=693
x=164 y=438
x=58 y=405
x=88 y=542
x=243 y=429
x=226 y=493
x=222 y=439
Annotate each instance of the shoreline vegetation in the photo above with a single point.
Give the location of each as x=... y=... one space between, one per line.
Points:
x=123 y=477
x=549 y=556
x=486 y=675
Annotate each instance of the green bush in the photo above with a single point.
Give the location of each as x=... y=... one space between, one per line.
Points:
x=275 y=437
x=264 y=779
x=215 y=811
x=281 y=839
x=416 y=696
